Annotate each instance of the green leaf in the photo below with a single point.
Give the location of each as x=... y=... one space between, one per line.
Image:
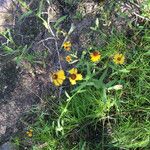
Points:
x=40 y=7
x=59 y=21
x=72 y=28
x=147 y=53
x=124 y=71
x=45 y=24
x=103 y=76
x=44 y=21
x=93 y=28
x=7 y=49
x=18 y=59
x=67 y=95
x=104 y=96
x=10 y=38
x=111 y=83
x=88 y=76
x=97 y=84
x=23 y=4
x=97 y=22
x=28 y=13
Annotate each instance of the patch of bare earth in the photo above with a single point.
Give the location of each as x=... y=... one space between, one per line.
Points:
x=17 y=101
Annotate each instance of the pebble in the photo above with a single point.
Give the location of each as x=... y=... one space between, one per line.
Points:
x=7 y=146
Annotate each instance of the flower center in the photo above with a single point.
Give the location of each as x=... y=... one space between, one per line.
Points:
x=95 y=53
x=55 y=76
x=119 y=58
x=73 y=76
x=68 y=58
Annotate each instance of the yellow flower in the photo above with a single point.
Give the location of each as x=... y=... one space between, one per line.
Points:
x=118 y=58
x=68 y=58
x=58 y=78
x=67 y=45
x=95 y=56
x=29 y=133
x=74 y=76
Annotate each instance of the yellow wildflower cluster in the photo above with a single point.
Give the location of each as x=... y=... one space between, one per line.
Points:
x=29 y=133
x=118 y=58
x=67 y=46
x=58 y=77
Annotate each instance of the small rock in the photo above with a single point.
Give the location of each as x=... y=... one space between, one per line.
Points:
x=2 y=129
x=7 y=146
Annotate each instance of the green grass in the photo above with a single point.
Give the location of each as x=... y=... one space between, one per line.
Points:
x=90 y=117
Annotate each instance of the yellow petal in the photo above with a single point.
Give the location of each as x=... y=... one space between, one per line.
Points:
x=73 y=82
x=67 y=48
x=58 y=82
x=30 y=134
x=60 y=72
x=67 y=44
x=79 y=77
x=95 y=58
x=61 y=75
x=68 y=58
x=73 y=71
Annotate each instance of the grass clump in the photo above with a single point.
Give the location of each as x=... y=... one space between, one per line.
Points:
x=107 y=109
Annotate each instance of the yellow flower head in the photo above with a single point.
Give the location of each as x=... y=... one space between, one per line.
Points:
x=58 y=77
x=67 y=45
x=74 y=76
x=29 y=133
x=68 y=58
x=119 y=58
x=95 y=56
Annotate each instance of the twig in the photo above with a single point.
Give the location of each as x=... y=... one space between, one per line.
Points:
x=47 y=48
x=7 y=54
x=50 y=38
x=59 y=94
x=55 y=37
x=134 y=4
x=142 y=17
x=43 y=145
x=42 y=101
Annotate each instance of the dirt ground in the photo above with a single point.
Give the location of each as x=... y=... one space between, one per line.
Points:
x=18 y=88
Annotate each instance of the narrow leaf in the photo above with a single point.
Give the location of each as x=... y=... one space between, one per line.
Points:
x=59 y=21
